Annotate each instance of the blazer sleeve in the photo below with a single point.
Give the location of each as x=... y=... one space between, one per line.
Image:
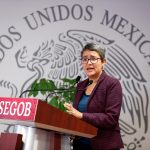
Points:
x=108 y=118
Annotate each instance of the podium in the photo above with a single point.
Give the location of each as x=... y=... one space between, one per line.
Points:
x=36 y=117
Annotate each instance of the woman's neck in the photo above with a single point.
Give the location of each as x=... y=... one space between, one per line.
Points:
x=95 y=78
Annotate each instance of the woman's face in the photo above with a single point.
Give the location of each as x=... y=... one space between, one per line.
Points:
x=92 y=70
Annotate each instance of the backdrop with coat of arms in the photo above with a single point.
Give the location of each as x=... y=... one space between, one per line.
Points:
x=43 y=39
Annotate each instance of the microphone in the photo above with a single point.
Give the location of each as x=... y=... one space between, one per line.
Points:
x=26 y=91
x=68 y=90
x=77 y=80
x=90 y=82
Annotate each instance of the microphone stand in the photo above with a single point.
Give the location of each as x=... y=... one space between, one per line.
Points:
x=58 y=92
x=26 y=91
x=68 y=90
x=64 y=90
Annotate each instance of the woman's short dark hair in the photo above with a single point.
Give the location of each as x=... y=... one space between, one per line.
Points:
x=94 y=47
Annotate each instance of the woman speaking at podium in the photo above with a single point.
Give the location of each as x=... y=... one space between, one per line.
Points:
x=99 y=104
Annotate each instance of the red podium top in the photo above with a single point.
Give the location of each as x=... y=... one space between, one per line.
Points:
x=36 y=113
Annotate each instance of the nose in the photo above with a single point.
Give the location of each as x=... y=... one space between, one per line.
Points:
x=89 y=61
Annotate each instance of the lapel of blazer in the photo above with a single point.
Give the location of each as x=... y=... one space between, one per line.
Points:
x=80 y=92
x=83 y=86
x=101 y=78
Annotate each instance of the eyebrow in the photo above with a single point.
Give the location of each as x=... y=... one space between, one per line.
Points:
x=91 y=56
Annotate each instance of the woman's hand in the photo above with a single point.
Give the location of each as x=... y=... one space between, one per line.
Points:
x=72 y=111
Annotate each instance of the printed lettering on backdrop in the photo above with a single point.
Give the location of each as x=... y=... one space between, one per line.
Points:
x=58 y=56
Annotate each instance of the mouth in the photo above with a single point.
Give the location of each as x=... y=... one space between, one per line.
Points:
x=90 y=69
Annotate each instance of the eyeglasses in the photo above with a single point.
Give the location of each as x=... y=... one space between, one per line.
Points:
x=93 y=60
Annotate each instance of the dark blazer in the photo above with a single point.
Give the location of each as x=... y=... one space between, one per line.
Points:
x=103 y=111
